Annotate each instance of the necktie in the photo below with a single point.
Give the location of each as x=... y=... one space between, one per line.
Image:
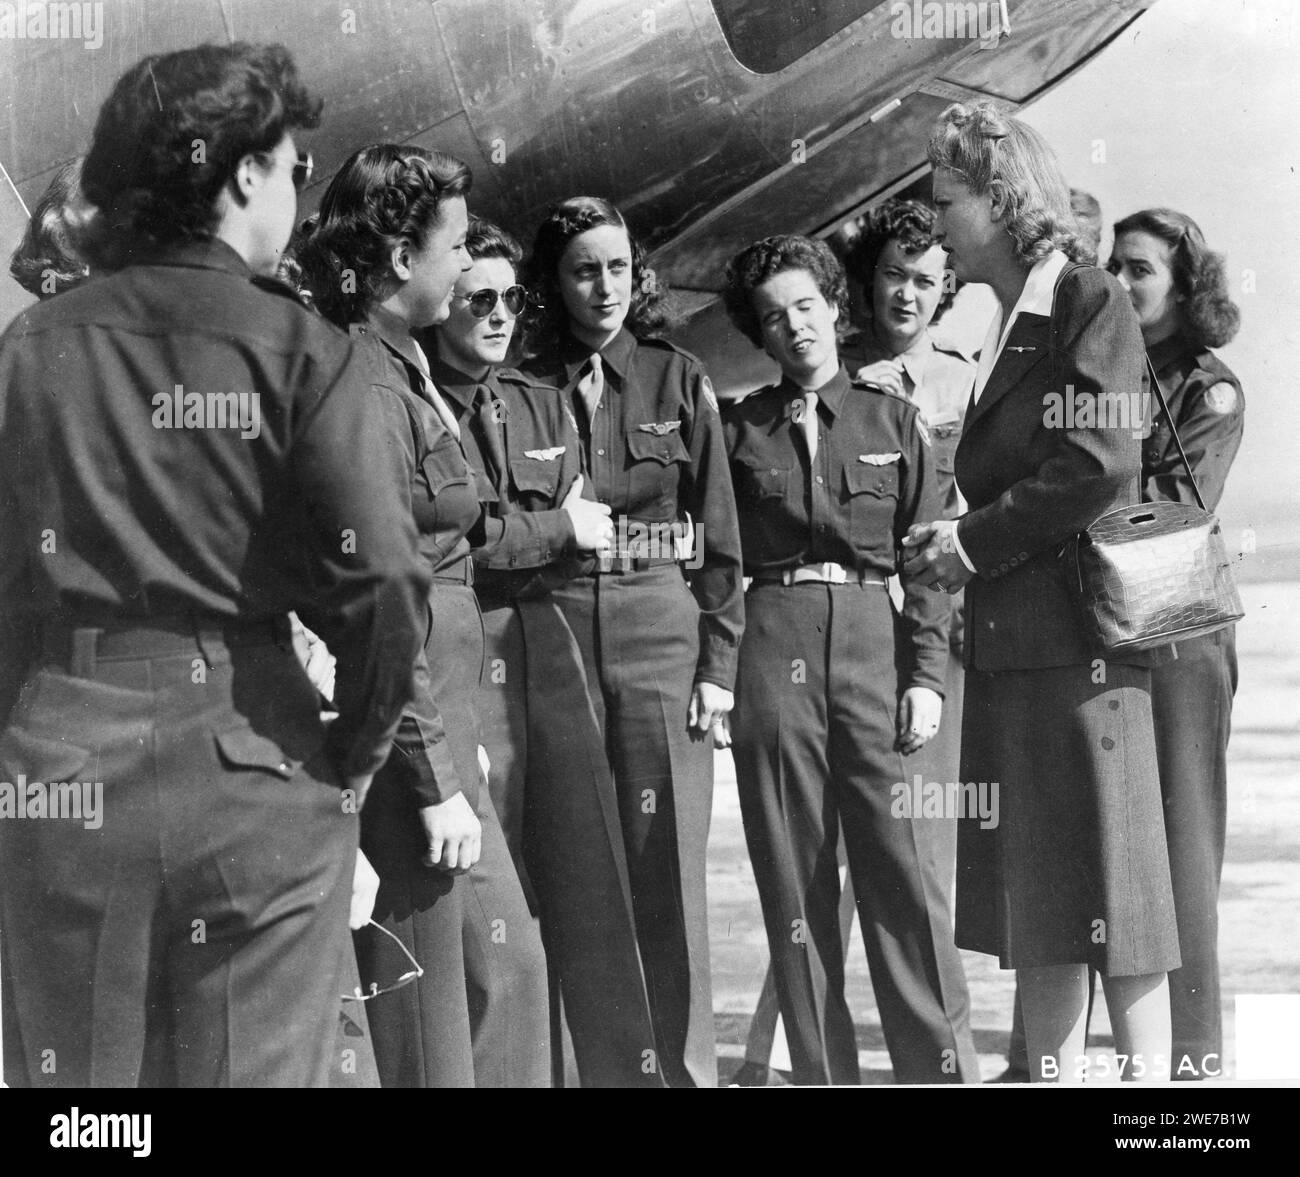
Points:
x=434 y=396
x=489 y=432
x=591 y=388
x=808 y=423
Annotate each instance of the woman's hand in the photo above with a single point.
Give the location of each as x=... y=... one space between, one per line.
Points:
x=454 y=835
x=709 y=703
x=592 y=529
x=884 y=374
x=919 y=711
x=932 y=558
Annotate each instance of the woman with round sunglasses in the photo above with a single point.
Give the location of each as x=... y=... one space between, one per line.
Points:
x=536 y=527
x=648 y=641
x=1179 y=289
x=383 y=260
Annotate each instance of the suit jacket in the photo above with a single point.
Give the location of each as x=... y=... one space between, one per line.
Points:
x=1036 y=469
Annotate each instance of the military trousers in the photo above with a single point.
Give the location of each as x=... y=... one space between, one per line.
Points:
x=190 y=928
x=619 y=798
x=814 y=740
x=479 y=1016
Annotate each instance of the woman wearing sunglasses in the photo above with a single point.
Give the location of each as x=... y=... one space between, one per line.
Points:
x=522 y=446
x=620 y=813
x=383 y=260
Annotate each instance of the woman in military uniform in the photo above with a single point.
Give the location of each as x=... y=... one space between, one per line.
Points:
x=393 y=220
x=1180 y=292
x=829 y=476
x=620 y=815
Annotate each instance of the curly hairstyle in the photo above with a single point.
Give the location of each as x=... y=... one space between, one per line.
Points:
x=46 y=261
x=911 y=224
x=484 y=239
x=171 y=135
x=649 y=313
x=1208 y=316
x=984 y=148
x=383 y=194
x=756 y=263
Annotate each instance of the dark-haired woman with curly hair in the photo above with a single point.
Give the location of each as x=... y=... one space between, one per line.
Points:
x=1180 y=292
x=382 y=261
x=620 y=815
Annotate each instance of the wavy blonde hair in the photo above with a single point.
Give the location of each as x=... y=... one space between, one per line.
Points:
x=983 y=147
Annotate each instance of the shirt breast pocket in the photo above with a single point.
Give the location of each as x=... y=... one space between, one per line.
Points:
x=655 y=464
x=533 y=477
x=762 y=485
x=872 y=495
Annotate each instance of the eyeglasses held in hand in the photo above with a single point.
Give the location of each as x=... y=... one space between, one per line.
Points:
x=406 y=978
x=483 y=302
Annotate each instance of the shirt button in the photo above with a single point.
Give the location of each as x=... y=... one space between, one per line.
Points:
x=600 y=453
x=283 y=766
x=775 y=470
x=820 y=480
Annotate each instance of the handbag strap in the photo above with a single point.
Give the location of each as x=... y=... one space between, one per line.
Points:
x=1160 y=396
x=1155 y=387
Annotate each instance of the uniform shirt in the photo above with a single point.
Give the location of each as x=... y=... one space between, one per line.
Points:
x=114 y=505
x=655 y=453
x=938 y=379
x=873 y=477
x=1206 y=401
x=522 y=527
x=445 y=507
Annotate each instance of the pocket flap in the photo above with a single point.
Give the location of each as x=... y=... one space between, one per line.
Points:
x=861 y=478
x=39 y=758
x=535 y=476
x=435 y=474
x=242 y=747
x=650 y=447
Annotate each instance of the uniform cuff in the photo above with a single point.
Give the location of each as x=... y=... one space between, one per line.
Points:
x=956 y=543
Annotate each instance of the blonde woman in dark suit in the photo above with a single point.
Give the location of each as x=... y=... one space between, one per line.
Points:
x=1074 y=871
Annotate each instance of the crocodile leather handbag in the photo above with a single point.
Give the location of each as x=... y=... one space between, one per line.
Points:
x=1155 y=572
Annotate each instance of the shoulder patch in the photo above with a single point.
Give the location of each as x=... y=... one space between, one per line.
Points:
x=706 y=387
x=1221 y=397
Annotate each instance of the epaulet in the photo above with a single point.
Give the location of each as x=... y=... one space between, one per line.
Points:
x=734 y=404
x=523 y=379
x=893 y=396
x=658 y=341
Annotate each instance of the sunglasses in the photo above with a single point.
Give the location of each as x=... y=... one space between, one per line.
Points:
x=483 y=302
x=302 y=170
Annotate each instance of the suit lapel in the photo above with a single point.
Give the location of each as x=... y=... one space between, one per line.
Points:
x=1027 y=346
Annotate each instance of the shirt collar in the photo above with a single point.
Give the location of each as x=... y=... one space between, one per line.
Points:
x=462 y=388
x=393 y=331
x=1040 y=286
x=616 y=355
x=205 y=253
x=831 y=394
x=1167 y=351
